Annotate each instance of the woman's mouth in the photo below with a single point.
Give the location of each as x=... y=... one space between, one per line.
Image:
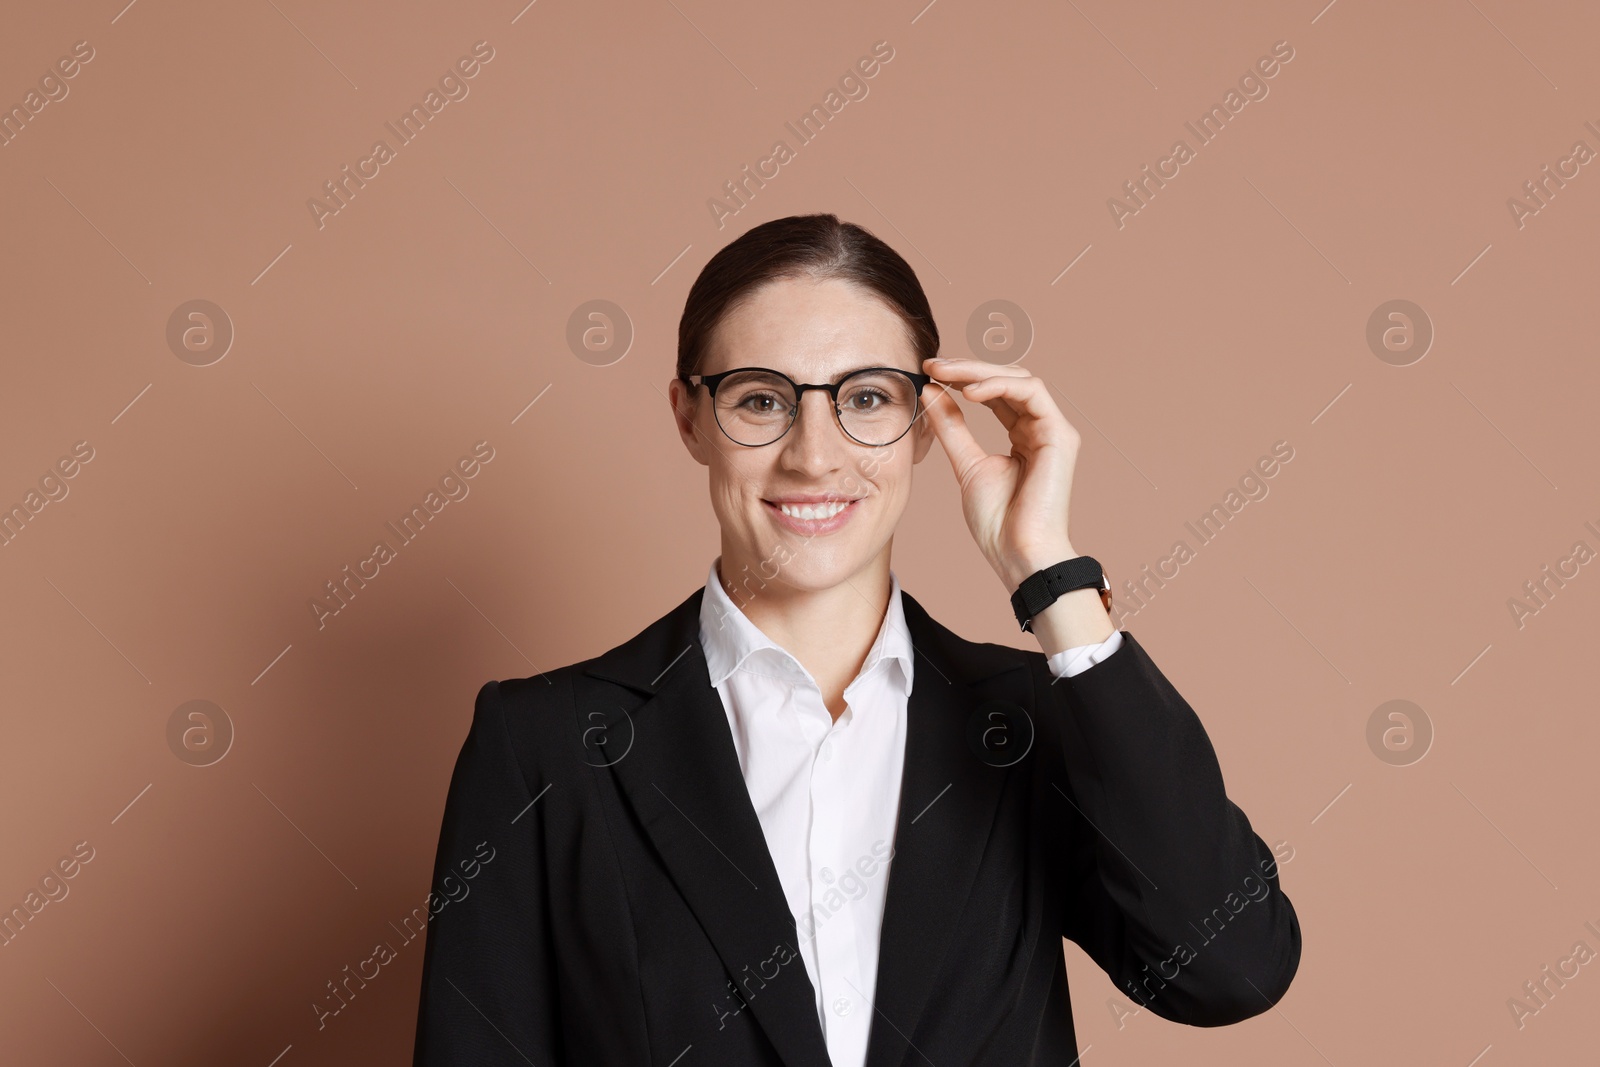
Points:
x=821 y=517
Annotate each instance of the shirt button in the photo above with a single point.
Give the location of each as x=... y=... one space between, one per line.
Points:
x=842 y=1006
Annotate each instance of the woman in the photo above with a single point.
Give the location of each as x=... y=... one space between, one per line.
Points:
x=797 y=821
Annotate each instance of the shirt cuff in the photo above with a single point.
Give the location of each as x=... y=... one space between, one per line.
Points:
x=1070 y=661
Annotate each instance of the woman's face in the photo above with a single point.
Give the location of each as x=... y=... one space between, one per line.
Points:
x=813 y=331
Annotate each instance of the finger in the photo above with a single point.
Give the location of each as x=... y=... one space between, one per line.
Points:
x=967 y=372
x=1027 y=397
x=1002 y=409
x=950 y=426
x=945 y=369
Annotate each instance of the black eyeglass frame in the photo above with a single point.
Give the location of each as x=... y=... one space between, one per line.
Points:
x=711 y=381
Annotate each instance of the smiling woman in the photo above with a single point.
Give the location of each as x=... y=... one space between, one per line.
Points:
x=686 y=806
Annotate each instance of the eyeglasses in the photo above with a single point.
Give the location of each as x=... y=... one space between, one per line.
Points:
x=754 y=406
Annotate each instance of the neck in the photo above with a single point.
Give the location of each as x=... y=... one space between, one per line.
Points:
x=830 y=631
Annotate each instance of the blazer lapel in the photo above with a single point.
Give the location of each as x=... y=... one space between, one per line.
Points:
x=948 y=797
x=680 y=773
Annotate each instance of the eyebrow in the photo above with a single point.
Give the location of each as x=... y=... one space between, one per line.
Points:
x=845 y=374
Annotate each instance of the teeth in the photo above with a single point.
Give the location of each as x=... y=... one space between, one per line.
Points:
x=813 y=511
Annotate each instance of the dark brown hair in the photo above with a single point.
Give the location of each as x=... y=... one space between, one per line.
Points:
x=816 y=246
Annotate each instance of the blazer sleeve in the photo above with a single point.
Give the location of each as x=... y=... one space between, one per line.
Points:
x=489 y=992
x=1166 y=886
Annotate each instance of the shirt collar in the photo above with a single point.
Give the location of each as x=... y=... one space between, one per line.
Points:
x=729 y=637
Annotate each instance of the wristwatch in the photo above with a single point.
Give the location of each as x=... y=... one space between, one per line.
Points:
x=1042 y=588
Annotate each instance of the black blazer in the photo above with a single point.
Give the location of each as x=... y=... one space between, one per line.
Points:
x=631 y=914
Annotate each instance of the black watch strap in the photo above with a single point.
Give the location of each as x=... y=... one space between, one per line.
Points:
x=1042 y=588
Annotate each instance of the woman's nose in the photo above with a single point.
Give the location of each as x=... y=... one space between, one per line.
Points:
x=815 y=437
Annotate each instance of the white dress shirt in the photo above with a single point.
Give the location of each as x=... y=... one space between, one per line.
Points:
x=828 y=792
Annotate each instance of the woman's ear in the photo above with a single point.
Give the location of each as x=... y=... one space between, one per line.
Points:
x=922 y=436
x=683 y=416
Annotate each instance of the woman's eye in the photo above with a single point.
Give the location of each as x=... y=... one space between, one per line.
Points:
x=756 y=400
x=869 y=395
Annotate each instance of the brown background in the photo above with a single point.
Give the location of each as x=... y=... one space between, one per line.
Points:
x=1230 y=313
